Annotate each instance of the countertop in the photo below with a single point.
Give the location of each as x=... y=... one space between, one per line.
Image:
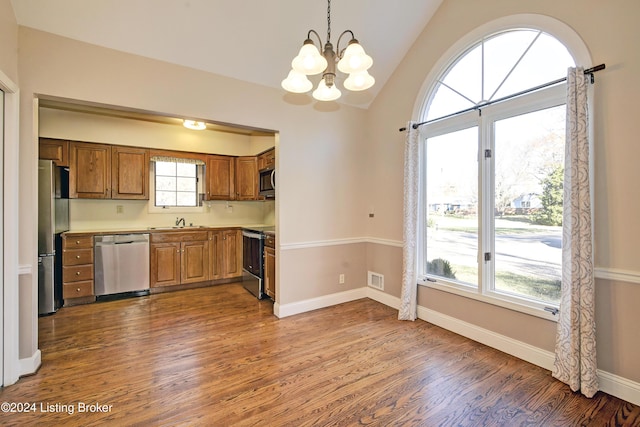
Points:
x=161 y=229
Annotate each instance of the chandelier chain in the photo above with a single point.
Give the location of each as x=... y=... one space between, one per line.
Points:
x=328 y=21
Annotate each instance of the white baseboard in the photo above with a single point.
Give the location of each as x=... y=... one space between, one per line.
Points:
x=619 y=387
x=609 y=383
x=284 y=310
x=519 y=349
x=31 y=364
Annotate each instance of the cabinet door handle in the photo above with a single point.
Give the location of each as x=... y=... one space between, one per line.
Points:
x=77 y=242
x=77 y=256
x=77 y=273
x=77 y=289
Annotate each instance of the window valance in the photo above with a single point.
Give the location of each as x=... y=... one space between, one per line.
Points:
x=177 y=160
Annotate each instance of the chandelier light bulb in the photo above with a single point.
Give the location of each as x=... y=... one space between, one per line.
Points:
x=354 y=59
x=326 y=93
x=359 y=81
x=297 y=82
x=309 y=61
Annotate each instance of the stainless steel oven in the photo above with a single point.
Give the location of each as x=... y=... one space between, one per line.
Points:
x=252 y=262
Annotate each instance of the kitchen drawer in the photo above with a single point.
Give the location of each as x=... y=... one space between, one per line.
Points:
x=77 y=257
x=193 y=236
x=77 y=273
x=270 y=241
x=77 y=289
x=77 y=242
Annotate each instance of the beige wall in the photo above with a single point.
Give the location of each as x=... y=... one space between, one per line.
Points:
x=610 y=32
x=318 y=146
x=330 y=262
x=8 y=41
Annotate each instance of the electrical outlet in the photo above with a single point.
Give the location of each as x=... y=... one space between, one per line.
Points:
x=119 y=209
x=342 y=279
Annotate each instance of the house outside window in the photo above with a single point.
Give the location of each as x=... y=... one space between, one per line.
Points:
x=492 y=179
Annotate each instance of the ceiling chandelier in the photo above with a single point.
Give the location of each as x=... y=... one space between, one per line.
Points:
x=352 y=60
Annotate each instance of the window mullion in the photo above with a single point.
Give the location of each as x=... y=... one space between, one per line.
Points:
x=486 y=156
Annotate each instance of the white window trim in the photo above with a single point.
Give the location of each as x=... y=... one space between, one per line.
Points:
x=152 y=208
x=576 y=47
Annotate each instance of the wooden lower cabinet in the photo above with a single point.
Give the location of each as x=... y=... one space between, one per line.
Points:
x=77 y=267
x=194 y=266
x=270 y=267
x=179 y=258
x=165 y=264
x=225 y=254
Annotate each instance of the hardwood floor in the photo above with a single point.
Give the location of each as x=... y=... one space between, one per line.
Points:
x=217 y=357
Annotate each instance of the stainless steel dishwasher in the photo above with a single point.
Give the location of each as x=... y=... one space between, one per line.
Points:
x=121 y=264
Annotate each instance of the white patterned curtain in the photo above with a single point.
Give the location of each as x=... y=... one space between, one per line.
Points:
x=408 y=296
x=575 y=361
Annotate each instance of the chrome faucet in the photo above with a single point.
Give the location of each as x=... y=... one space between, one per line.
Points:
x=180 y=220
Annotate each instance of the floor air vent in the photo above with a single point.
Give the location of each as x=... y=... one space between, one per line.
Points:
x=375 y=280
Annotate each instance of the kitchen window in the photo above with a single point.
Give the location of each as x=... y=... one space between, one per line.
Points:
x=492 y=179
x=176 y=183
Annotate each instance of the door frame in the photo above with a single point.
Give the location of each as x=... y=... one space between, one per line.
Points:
x=9 y=281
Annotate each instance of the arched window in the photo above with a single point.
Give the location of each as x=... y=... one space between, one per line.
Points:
x=492 y=186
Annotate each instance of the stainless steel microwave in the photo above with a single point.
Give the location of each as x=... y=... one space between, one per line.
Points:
x=267 y=181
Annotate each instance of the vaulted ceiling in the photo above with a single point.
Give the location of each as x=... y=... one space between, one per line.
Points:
x=250 y=40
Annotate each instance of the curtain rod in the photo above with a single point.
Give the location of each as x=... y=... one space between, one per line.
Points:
x=589 y=71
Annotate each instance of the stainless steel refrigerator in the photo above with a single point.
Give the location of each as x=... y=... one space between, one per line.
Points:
x=53 y=219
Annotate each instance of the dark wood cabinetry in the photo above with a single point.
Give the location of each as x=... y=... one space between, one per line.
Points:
x=77 y=267
x=130 y=173
x=270 y=266
x=225 y=254
x=54 y=149
x=89 y=171
x=221 y=181
x=247 y=178
x=179 y=258
x=102 y=171
x=165 y=264
x=267 y=159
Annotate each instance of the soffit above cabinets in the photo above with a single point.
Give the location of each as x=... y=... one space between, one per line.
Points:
x=132 y=114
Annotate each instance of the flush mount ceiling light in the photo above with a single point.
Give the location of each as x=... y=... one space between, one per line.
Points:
x=192 y=124
x=352 y=60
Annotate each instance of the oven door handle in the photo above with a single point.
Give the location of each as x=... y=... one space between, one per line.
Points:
x=252 y=235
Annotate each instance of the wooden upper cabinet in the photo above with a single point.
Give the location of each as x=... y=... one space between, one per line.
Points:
x=247 y=178
x=267 y=159
x=220 y=178
x=54 y=149
x=89 y=171
x=130 y=173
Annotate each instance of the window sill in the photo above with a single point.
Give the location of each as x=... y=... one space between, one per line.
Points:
x=532 y=309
